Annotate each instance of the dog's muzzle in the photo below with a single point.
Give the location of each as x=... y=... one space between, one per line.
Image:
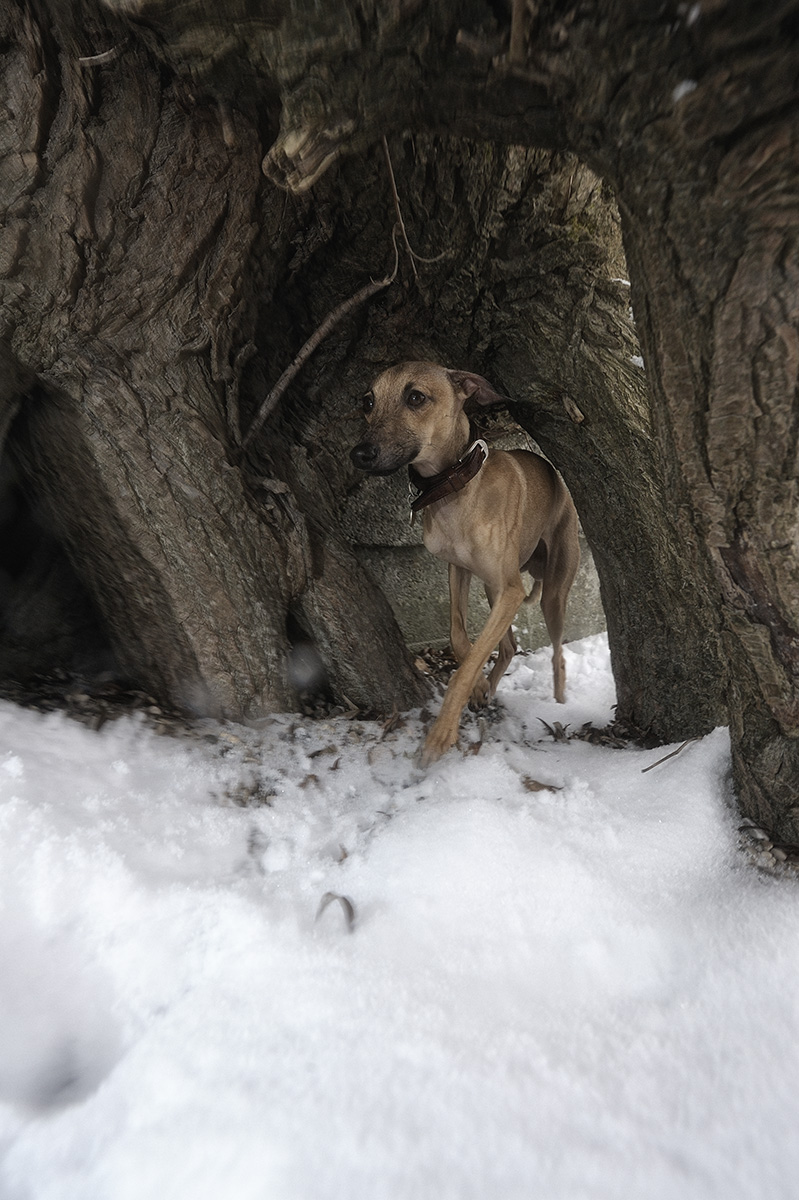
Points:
x=365 y=456
x=369 y=456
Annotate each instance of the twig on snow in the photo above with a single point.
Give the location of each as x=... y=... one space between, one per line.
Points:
x=672 y=753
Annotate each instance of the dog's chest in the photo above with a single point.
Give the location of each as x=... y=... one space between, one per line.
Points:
x=446 y=537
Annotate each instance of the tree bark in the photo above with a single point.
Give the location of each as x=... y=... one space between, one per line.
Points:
x=715 y=292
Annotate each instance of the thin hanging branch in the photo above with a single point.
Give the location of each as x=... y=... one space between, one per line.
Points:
x=414 y=257
x=342 y=310
x=331 y=320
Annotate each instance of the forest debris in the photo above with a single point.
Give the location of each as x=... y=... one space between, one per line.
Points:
x=614 y=735
x=609 y=735
x=330 y=749
x=395 y=721
x=556 y=730
x=94 y=701
x=440 y=662
x=767 y=854
x=252 y=793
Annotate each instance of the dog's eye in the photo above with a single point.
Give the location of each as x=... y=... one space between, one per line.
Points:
x=368 y=403
x=416 y=399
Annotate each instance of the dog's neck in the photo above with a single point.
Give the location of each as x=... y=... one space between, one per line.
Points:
x=435 y=459
x=431 y=488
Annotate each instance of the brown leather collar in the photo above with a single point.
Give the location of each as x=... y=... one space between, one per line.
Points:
x=453 y=479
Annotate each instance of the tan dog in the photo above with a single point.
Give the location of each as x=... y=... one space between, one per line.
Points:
x=488 y=514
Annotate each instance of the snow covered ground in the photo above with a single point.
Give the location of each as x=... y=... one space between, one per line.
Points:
x=545 y=995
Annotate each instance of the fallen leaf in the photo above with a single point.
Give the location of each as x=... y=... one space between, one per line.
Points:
x=331 y=749
x=535 y=785
x=556 y=730
x=347 y=907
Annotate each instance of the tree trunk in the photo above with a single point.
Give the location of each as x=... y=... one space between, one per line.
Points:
x=717 y=301
x=129 y=293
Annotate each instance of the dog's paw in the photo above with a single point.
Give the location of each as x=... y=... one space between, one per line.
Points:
x=481 y=693
x=438 y=741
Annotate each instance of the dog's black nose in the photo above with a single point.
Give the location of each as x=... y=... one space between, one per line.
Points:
x=364 y=455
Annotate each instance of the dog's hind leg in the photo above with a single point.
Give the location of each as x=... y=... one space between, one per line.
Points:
x=561 y=568
x=553 y=606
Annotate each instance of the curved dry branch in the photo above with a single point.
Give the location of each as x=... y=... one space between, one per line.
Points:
x=317 y=337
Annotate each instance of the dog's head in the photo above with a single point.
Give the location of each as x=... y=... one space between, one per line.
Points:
x=415 y=416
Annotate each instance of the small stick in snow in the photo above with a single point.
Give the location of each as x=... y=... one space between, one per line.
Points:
x=665 y=757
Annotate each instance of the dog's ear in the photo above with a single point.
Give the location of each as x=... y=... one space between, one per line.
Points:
x=473 y=387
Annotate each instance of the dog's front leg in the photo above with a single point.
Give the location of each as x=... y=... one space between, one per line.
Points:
x=444 y=732
x=459 y=580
